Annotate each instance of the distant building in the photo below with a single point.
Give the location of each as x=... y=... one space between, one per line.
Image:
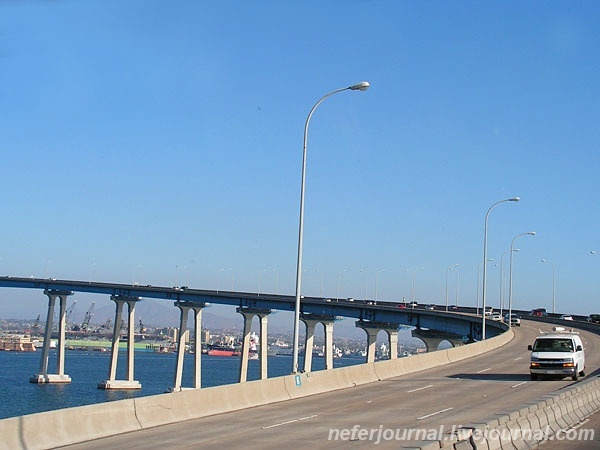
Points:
x=16 y=343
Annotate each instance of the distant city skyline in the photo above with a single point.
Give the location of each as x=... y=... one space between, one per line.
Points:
x=161 y=144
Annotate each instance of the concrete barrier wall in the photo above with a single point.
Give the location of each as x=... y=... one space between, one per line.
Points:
x=67 y=426
x=528 y=425
x=157 y=410
x=55 y=428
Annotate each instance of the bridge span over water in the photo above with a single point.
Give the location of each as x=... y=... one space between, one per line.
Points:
x=431 y=326
x=471 y=396
x=446 y=393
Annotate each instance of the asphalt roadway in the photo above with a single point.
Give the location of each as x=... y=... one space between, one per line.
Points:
x=386 y=414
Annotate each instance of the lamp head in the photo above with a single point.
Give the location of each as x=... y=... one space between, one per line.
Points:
x=532 y=233
x=362 y=86
x=514 y=199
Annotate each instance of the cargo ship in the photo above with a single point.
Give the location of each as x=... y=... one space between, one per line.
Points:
x=223 y=350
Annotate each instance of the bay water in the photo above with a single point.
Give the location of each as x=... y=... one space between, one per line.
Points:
x=155 y=372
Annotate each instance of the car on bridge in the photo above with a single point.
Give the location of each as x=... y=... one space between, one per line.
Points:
x=566 y=317
x=515 y=320
x=539 y=312
x=594 y=318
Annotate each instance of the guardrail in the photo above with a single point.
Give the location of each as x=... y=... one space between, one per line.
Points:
x=530 y=424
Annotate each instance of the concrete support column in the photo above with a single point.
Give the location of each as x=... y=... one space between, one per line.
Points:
x=183 y=337
x=328 y=345
x=116 y=339
x=112 y=382
x=264 y=346
x=393 y=343
x=371 y=343
x=433 y=339
x=372 y=329
x=245 y=345
x=197 y=346
x=311 y=321
x=43 y=376
x=309 y=343
x=130 y=339
x=249 y=314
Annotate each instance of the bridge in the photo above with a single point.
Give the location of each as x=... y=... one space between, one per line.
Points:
x=454 y=391
x=431 y=326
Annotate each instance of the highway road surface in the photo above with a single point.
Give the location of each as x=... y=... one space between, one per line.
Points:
x=576 y=438
x=386 y=414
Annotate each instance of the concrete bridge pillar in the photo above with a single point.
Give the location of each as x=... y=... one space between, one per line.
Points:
x=311 y=321
x=264 y=346
x=43 y=376
x=183 y=337
x=393 y=343
x=112 y=382
x=249 y=314
x=372 y=329
x=328 y=345
x=371 y=342
x=309 y=342
x=432 y=339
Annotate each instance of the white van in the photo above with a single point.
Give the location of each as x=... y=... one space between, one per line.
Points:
x=559 y=352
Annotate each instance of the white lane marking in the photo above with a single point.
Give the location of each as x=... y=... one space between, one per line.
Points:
x=580 y=425
x=433 y=414
x=519 y=384
x=484 y=370
x=421 y=388
x=290 y=421
x=516 y=359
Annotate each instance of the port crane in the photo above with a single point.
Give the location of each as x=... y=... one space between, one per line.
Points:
x=36 y=326
x=88 y=316
x=69 y=313
x=107 y=325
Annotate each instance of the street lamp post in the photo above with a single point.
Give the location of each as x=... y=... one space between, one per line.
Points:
x=510 y=271
x=512 y=199
x=363 y=86
x=553 y=284
x=457 y=286
x=478 y=278
x=447 y=271
x=339 y=281
x=412 y=295
x=376 y=273
x=366 y=282
x=502 y=283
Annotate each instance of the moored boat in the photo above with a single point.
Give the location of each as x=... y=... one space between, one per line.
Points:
x=222 y=350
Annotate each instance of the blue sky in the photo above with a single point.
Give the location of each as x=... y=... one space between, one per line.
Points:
x=161 y=142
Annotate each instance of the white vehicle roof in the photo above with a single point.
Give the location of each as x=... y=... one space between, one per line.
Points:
x=557 y=332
